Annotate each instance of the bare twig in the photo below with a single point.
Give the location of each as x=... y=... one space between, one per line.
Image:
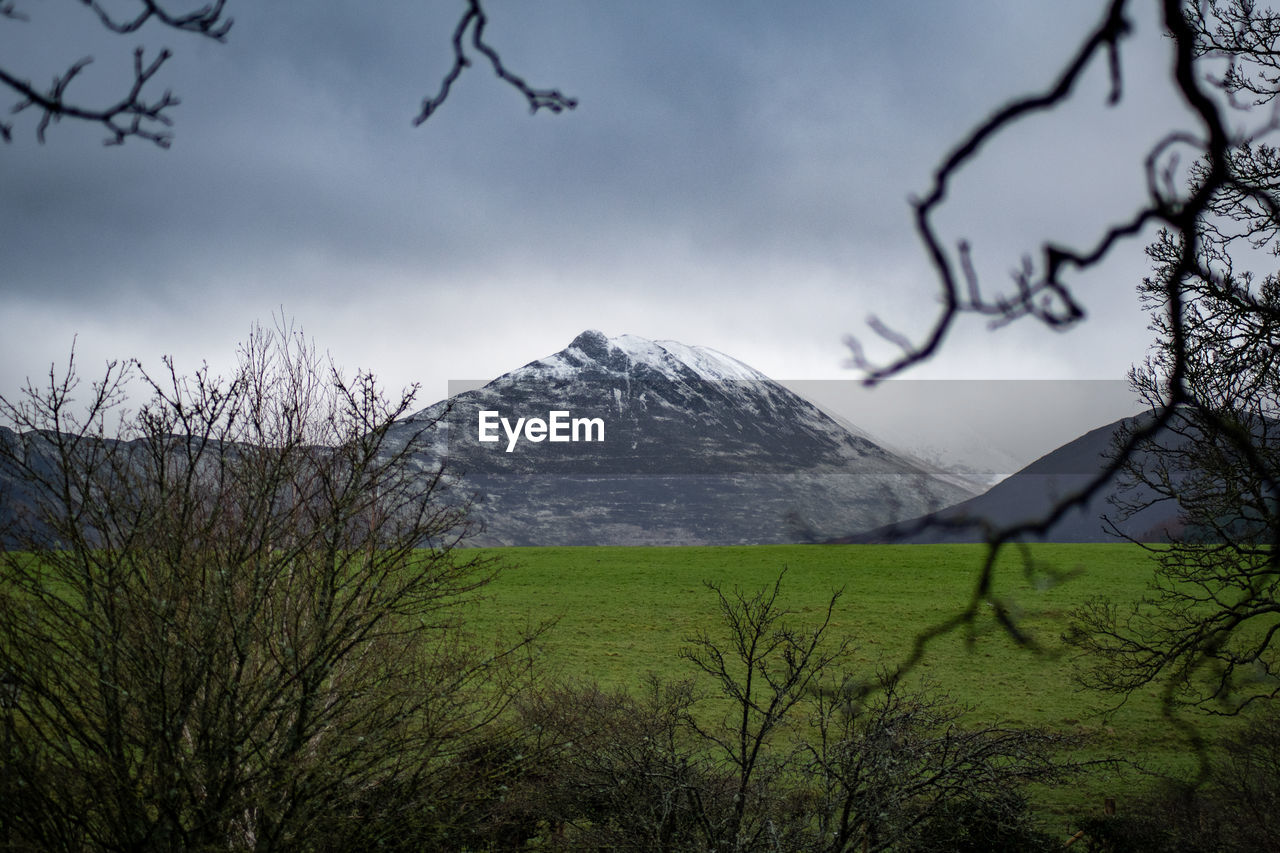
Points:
x=137 y=115
x=205 y=21
x=474 y=19
x=130 y=116
x=133 y=114
x=1105 y=37
x=1220 y=176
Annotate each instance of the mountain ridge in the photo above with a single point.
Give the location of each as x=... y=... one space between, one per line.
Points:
x=1030 y=493
x=699 y=448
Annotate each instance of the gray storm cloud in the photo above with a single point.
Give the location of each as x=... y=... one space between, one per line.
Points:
x=736 y=175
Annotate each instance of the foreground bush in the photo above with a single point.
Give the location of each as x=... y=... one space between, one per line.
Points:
x=1234 y=809
x=772 y=751
x=227 y=618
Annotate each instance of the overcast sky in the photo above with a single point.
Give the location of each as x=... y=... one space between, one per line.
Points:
x=737 y=175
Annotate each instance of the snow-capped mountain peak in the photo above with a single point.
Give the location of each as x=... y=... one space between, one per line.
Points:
x=626 y=353
x=679 y=444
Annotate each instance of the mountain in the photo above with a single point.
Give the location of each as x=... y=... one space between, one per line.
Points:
x=1030 y=493
x=686 y=446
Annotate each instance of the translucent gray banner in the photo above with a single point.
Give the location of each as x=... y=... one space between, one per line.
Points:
x=979 y=430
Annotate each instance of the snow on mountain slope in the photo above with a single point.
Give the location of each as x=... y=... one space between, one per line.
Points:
x=696 y=447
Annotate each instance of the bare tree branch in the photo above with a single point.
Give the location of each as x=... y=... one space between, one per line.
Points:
x=1029 y=301
x=205 y=21
x=137 y=115
x=134 y=114
x=130 y=116
x=1228 y=177
x=474 y=19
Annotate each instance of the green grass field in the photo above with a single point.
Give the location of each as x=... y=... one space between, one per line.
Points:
x=625 y=612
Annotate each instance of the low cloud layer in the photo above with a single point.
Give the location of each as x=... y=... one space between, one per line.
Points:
x=736 y=175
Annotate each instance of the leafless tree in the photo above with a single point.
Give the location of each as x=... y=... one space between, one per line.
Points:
x=1206 y=629
x=890 y=769
x=229 y=619
x=774 y=746
x=619 y=769
x=1214 y=227
x=141 y=114
x=763 y=669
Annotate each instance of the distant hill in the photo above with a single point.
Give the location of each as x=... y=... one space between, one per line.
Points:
x=1029 y=494
x=698 y=448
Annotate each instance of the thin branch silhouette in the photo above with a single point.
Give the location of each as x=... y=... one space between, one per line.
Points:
x=475 y=20
x=138 y=114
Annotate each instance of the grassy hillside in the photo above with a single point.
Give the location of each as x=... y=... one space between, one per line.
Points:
x=624 y=612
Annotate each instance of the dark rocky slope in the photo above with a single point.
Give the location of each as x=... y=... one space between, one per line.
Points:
x=698 y=448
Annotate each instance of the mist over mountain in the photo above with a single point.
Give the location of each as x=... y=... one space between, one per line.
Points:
x=1030 y=494
x=687 y=446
